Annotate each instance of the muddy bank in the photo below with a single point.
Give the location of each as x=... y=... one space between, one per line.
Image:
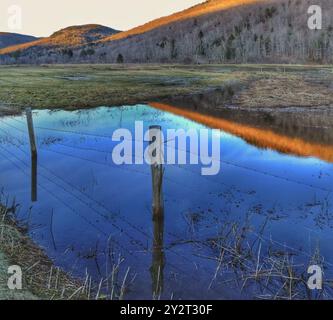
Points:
x=8 y=110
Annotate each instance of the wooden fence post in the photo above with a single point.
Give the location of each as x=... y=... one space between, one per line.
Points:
x=33 y=152
x=157 y=168
x=158 y=258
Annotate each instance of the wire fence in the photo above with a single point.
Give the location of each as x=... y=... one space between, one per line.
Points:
x=92 y=207
x=97 y=206
x=225 y=162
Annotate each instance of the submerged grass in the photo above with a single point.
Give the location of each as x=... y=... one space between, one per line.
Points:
x=261 y=268
x=246 y=261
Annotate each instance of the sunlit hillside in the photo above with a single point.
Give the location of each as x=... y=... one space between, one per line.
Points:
x=198 y=10
x=216 y=31
x=72 y=36
x=68 y=37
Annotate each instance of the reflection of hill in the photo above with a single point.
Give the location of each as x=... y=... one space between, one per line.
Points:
x=310 y=124
x=261 y=133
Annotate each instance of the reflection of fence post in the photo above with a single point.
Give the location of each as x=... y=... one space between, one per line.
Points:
x=158 y=259
x=157 y=167
x=34 y=178
x=33 y=151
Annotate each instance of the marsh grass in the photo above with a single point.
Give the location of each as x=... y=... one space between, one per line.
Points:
x=84 y=86
x=246 y=262
x=42 y=279
x=74 y=87
x=261 y=268
x=293 y=90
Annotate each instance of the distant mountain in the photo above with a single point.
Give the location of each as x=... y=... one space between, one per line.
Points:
x=10 y=39
x=216 y=31
x=80 y=35
x=62 y=41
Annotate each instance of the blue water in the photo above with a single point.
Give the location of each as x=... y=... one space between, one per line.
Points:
x=101 y=212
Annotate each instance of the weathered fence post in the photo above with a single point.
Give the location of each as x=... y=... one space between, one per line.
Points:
x=157 y=167
x=33 y=152
x=158 y=259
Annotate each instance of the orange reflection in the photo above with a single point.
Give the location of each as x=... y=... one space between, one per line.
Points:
x=259 y=137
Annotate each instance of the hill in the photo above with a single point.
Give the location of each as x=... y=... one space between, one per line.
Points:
x=61 y=42
x=10 y=39
x=216 y=31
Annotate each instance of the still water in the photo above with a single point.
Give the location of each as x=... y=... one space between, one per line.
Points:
x=236 y=235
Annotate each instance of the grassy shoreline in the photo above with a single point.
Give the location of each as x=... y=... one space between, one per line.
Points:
x=88 y=86
x=41 y=279
x=73 y=87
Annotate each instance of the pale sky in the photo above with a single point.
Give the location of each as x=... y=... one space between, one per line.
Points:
x=43 y=17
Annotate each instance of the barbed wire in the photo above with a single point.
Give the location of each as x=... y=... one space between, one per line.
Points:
x=133 y=240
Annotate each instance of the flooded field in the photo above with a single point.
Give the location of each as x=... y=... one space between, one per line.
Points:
x=250 y=232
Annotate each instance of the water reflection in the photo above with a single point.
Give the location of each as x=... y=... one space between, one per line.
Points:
x=34 y=161
x=34 y=156
x=169 y=225
x=158 y=257
x=283 y=132
x=309 y=124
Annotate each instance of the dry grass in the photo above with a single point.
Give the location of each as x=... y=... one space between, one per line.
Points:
x=283 y=91
x=40 y=277
x=86 y=86
x=261 y=268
